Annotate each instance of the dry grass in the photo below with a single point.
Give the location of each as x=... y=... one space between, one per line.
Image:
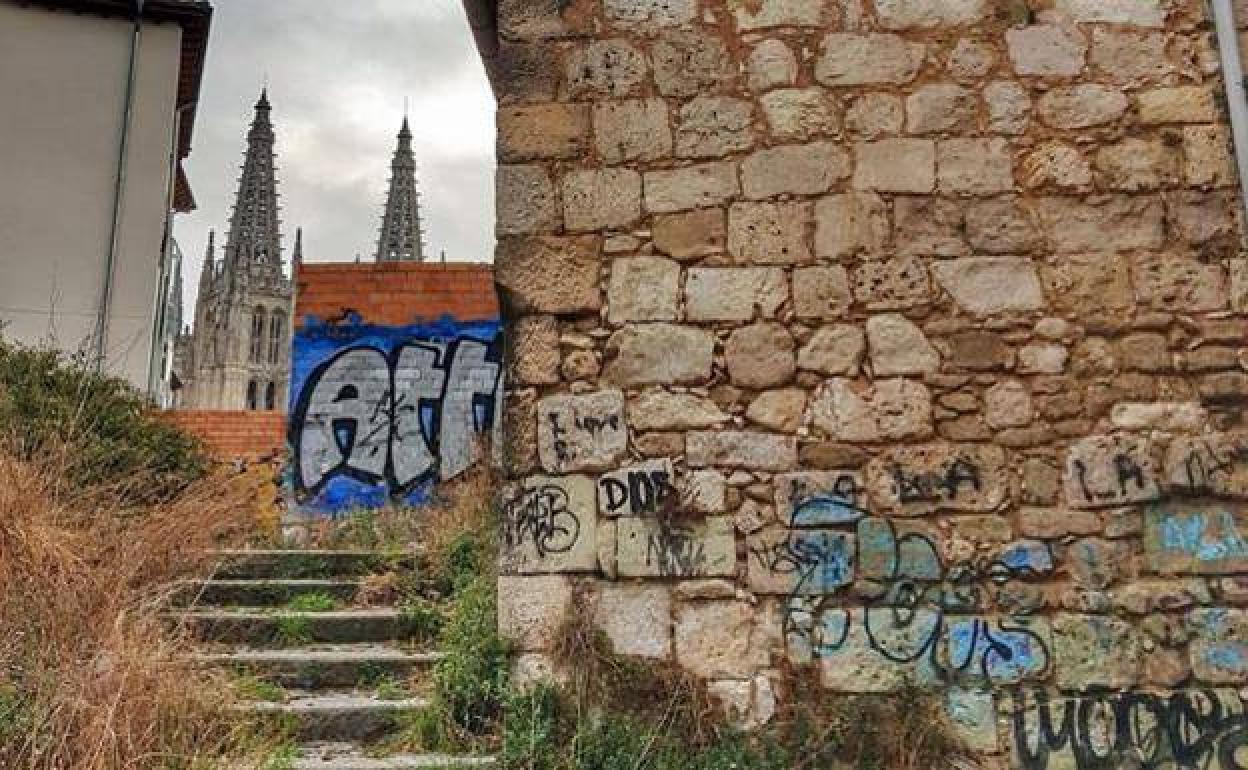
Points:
x=90 y=677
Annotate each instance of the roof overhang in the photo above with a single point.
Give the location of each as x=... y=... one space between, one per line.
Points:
x=195 y=18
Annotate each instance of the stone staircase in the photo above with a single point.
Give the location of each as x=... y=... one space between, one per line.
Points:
x=284 y=620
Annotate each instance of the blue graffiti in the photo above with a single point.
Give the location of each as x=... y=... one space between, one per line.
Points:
x=1207 y=537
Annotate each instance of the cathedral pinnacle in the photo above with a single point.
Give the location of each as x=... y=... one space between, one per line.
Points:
x=402 y=238
x=254 y=242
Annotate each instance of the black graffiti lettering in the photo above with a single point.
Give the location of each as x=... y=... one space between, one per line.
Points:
x=541 y=517
x=641 y=492
x=931 y=486
x=1128 y=470
x=677 y=552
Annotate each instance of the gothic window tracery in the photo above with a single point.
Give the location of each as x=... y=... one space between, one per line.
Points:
x=252 y=391
x=277 y=335
x=270 y=396
x=257 y=335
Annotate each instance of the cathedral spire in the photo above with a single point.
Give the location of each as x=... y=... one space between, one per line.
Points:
x=208 y=272
x=297 y=256
x=402 y=238
x=254 y=240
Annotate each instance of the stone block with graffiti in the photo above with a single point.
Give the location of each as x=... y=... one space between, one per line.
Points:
x=396 y=381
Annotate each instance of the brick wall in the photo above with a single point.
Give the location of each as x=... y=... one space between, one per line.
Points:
x=396 y=377
x=929 y=317
x=235 y=435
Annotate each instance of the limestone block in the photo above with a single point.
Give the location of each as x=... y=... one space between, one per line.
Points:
x=928 y=226
x=771 y=64
x=531 y=609
x=581 y=432
x=1111 y=470
x=896 y=165
x=1212 y=464
x=549 y=525
x=542 y=131
x=1046 y=50
x=599 y=199
x=520 y=432
x=975 y=166
x=1219 y=651
x=1145 y=352
x=713 y=639
x=525 y=200
x=851 y=60
x=530 y=670
x=653 y=547
x=605 y=68
x=734 y=293
x=690 y=187
x=1009 y=107
x=1183 y=538
x=1052 y=523
x=705 y=492
x=937 y=107
x=688 y=63
x=1007 y=404
x=778 y=410
x=821 y=292
x=636 y=617
x=1056 y=164
x=1141 y=13
x=1169 y=416
x=851 y=224
x=1202 y=217
x=548 y=274
x=1133 y=165
x=899 y=347
x=761 y=355
x=985 y=651
x=974 y=717
x=873 y=115
x=921 y=479
x=644 y=15
x=540 y=20
x=1093 y=651
x=777 y=13
x=741 y=449
x=770 y=233
x=642 y=489
x=659 y=354
x=988 y=286
x=533 y=343
x=1177 y=284
x=712 y=126
x=820 y=498
x=657 y=409
x=892 y=284
x=1081 y=106
x=1085 y=284
x=800 y=114
x=835 y=349
x=643 y=289
x=851 y=639
x=690 y=235
x=979 y=351
x=1181 y=104
x=887 y=410
x=799 y=562
x=1000 y=226
x=631 y=130
x=802 y=169
x=1042 y=358
x=1207 y=156
x=928 y=14
x=1112 y=223
x=1125 y=55
x=526 y=73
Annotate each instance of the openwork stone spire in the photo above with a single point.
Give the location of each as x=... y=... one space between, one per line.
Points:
x=254 y=241
x=402 y=239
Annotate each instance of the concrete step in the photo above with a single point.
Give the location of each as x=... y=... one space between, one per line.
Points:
x=257 y=564
x=323 y=666
x=335 y=716
x=336 y=756
x=260 y=628
x=267 y=592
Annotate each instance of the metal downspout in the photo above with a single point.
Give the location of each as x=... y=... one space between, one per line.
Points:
x=119 y=186
x=1236 y=98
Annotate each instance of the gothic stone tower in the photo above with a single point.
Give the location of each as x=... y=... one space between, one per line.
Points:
x=240 y=354
x=401 y=238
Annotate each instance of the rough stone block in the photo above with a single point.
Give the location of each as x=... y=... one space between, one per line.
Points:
x=1181 y=285
x=938 y=107
x=777 y=13
x=713 y=639
x=873 y=115
x=534 y=350
x=632 y=130
x=804 y=169
x=1112 y=223
x=1091 y=651
x=761 y=355
x=653 y=547
x=851 y=224
x=691 y=187
x=771 y=64
x=1113 y=470
x=1046 y=50
x=1009 y=107
x=929 y=14
x=852 y=60
x=1208 y=161
x=643 y=289
x=1140 y=13
x=836 y=349
x=656 y=409
x=778 y=410
x=605 y=68
x=1133 y=165
x=659 y=354
x=741 y=449
x=770 y=233
x=581 y=432
x=799 y=562
x=690 y=235
x=1181 y=104
x=986 y=286
x=599 y=199
x=889 y=410
x=712 y=126
x=734 y=293
x=975 y=166
x=850 y=658
x=548 y=525
x=939 y=477
x=646 y=15
x=690 y=62
x=548 y=274
x=1219 y=651
x=1000 y=226
x=1212 y=464
x=1086 y=284
x=542 y=131
x=636 y=617
x=531 y=609
x=1195 y=538
x=928 y=226
x=899 y=347
x=820 y=498
x=800 y=114
x=896 y=165
x=892 y=284
x=525 y=200
x=1081 y=106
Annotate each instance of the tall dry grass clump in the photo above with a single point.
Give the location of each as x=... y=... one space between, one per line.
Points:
x=91 y=676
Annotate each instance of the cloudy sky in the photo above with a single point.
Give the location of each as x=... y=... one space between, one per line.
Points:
x=338 y=75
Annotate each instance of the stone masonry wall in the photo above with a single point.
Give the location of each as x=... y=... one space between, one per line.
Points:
x=900 y=338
